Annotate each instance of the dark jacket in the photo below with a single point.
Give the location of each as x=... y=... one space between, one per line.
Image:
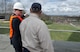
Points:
x=16 y=32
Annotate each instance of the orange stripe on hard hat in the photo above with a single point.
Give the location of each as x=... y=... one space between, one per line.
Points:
x=11 y=29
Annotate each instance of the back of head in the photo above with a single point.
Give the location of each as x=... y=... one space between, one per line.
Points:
x=18 y=6
x=36 y=7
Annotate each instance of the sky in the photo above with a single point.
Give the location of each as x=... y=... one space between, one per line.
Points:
x=55 y=7
x=67 y=7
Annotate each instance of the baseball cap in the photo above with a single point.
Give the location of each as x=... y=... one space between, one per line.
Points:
x=36 y=7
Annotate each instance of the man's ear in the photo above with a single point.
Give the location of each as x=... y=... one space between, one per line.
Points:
x=30 y=10
x=40 y=12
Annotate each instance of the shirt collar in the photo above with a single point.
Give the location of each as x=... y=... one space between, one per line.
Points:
x=34 y=15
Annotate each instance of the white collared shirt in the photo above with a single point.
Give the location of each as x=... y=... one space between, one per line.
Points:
x=35 y=35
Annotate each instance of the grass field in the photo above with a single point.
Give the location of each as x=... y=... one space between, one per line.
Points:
x=4 y=30
x=4 y=23
x=62 y=27
x=65 y=36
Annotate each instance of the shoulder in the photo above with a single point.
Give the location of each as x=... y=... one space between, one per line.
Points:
x=16 y=19
x=40 y=22
x=24 y=22
x=33 y=21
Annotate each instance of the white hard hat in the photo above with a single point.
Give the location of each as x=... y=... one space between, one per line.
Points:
x=18 y=5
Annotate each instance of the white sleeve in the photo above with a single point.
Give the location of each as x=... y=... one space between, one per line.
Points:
x=45 y=40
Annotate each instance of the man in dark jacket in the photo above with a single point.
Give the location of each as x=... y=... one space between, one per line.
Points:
x=15 y=21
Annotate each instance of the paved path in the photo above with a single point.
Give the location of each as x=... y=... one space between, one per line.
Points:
x=5 y=45
x=59 y=46
x=65 y=46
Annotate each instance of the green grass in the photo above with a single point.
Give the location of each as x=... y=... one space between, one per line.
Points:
x=4 y=30
x=4 y=23
x=60 y=35
x=62 y=27
x=65 y=36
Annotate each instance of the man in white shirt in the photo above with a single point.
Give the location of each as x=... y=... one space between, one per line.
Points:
x=34 y=32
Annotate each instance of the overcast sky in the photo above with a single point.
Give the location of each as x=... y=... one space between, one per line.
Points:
x=56 y=7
